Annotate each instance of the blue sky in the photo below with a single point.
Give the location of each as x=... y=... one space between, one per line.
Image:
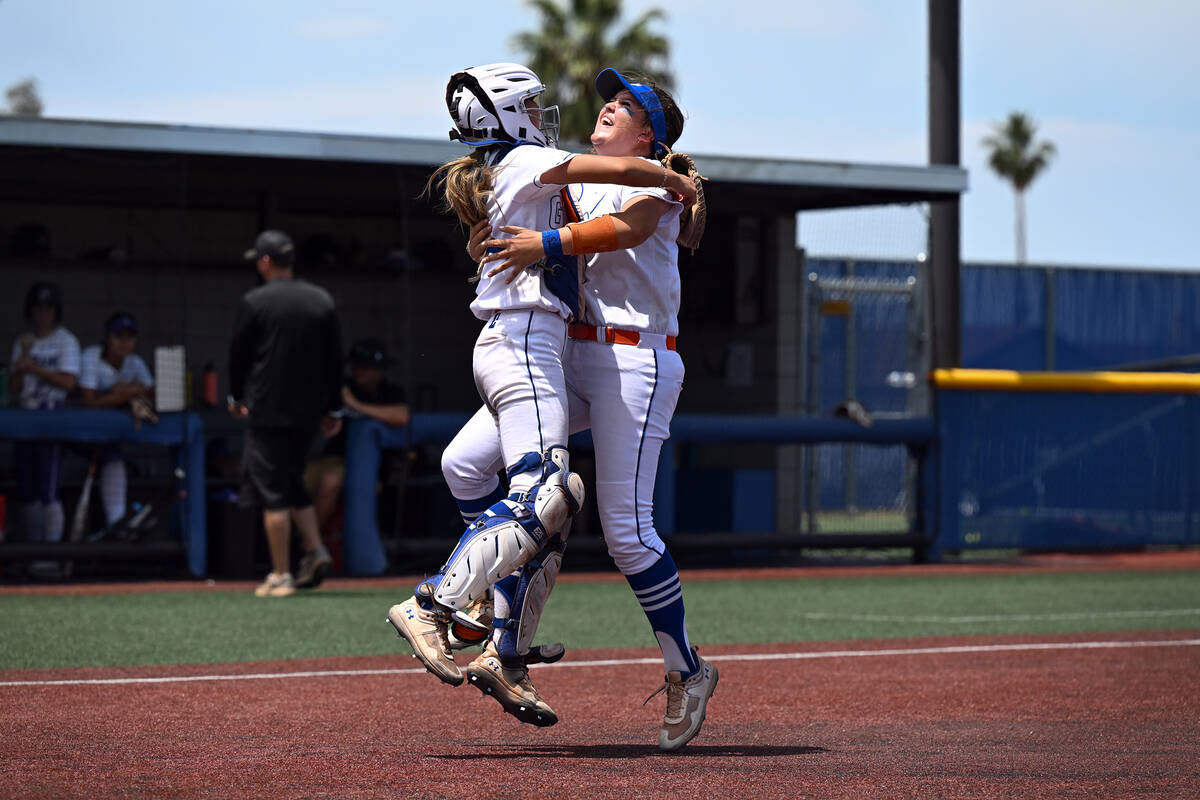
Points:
x=1112 y=84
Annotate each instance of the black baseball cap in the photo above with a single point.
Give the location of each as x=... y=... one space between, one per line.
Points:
x=275 y=245
x=370 y=353
x=44 y=293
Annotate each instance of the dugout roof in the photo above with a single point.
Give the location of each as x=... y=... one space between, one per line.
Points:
x=51 y=159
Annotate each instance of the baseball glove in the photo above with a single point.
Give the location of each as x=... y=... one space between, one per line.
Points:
x=691 y=221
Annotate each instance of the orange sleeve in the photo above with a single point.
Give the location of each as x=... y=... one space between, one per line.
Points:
x=597 y=235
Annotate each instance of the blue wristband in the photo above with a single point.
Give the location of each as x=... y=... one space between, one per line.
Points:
x=552 y=243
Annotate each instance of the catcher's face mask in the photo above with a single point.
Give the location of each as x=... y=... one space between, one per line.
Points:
x=545 y=119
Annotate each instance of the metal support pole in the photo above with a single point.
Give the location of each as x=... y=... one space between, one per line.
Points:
x=812 y=396
x=849 y=468
x=944 y=124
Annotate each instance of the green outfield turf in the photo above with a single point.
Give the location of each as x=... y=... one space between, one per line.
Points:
x=220 y=626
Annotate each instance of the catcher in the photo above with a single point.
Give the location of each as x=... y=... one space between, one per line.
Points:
x=622 y=371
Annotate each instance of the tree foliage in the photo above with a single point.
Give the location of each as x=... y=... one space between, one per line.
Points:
x=1017 y=158
x=577 y=39
x=23 y=99
x=1012 y=152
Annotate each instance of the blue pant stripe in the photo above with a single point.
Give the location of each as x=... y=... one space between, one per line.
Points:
x=532 y=385
x=638 y=469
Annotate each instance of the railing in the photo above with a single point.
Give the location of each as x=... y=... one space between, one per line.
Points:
x=364 y=550
x=96 y=426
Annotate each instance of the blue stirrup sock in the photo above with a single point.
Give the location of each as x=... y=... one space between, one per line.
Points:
x=471 y=509
x=661 y=596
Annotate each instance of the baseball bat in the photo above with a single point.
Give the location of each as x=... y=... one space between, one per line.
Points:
x=84 y=506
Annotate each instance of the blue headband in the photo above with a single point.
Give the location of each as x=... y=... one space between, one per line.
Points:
x=609 y=82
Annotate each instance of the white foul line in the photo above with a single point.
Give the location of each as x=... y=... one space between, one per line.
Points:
x=621 y=662
x=1054 y=616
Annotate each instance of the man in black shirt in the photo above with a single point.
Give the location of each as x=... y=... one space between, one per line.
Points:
x=285 y=380
x=367 y=393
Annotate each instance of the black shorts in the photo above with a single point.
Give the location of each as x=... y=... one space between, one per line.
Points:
x=273 y=461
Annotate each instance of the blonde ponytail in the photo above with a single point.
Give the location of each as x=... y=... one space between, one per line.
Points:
x=464 y=185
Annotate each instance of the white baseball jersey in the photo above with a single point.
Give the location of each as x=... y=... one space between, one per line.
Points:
x=96 y=373
x=519 y=198
x=58 y=351
x=636 y=288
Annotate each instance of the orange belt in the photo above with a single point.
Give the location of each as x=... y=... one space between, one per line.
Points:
x=594 y=333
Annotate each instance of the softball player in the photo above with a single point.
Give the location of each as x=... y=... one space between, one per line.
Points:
x=623 y=377
x=513 y=176
x=45 y=367
x=110 y=376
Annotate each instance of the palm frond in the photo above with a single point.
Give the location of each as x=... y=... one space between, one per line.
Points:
x=578 y=38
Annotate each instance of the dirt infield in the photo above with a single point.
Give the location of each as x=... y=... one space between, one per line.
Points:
x=1082 y=716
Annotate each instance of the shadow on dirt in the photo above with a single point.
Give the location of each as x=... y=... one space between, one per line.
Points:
x=605 y=751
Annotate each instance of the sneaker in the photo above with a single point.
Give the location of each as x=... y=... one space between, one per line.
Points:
x=687 y=702
x=425 y=632
x=276 y=585
x=313 y=568
x=511 y=687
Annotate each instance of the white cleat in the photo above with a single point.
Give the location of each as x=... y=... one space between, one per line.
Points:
x=687 y=704
x=425 y=632
x=511 y=688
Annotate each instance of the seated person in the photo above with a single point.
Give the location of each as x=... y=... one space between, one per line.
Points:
x=45 y=367
x=367 y=393
x=111 y=375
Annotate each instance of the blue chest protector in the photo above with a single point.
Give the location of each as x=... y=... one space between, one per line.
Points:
x=561 y=272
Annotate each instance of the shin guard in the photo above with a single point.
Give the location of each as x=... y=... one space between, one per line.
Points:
x=533 y=590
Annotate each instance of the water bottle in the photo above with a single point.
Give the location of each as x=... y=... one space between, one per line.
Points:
x=208 y=385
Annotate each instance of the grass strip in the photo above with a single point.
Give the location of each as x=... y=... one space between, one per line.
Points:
x=218 y=626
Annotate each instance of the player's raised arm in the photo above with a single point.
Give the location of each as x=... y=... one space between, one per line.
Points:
x=627 y=228
x=623 y=170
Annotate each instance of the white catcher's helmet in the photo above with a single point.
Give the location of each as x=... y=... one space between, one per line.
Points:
x=488 y=106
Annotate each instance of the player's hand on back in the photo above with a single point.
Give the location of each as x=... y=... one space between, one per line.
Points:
x=480 y=231
x=522 y=250
x=682 y=187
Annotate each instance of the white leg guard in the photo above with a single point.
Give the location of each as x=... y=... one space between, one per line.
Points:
x=510 y=533
x=537 y=581
x=559 y=495
x=494 y=546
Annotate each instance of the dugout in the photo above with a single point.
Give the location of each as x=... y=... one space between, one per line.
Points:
x=153 y=219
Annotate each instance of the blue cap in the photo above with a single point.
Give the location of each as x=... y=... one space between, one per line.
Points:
x=121 y=322
x=609 y=82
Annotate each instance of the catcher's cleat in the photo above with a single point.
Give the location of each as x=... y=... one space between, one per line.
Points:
x=687 y=702
x=425 y=631
x=511 y=687
x=545 y=654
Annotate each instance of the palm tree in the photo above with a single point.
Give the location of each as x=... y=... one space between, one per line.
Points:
x=1016 y=158
x=23 y=99
x=576 y=41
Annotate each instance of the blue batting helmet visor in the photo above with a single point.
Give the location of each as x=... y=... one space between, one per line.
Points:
x=609 y=82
